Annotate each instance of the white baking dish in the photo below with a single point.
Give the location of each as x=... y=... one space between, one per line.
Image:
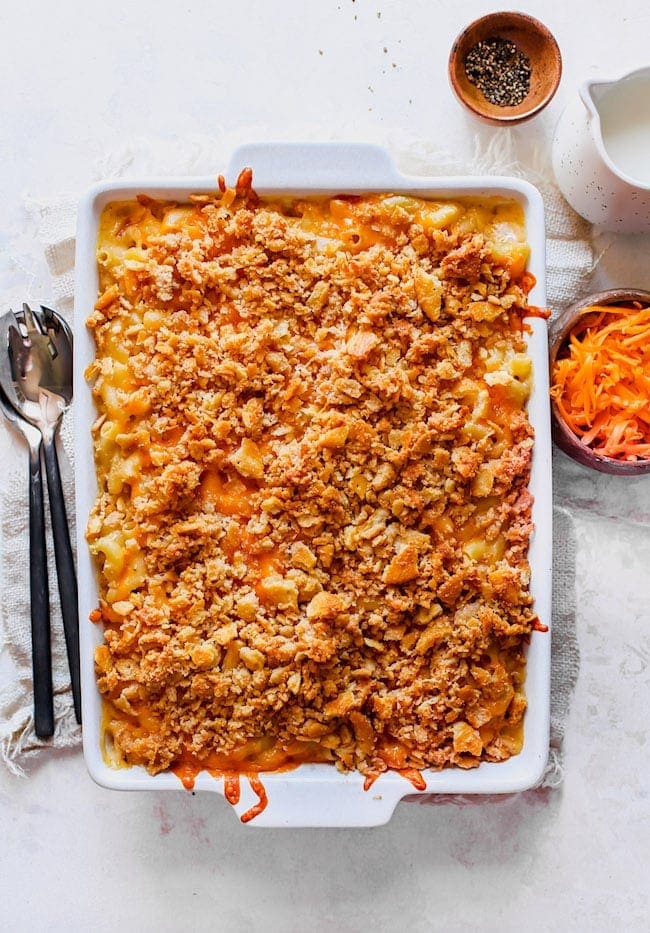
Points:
x=318 y=795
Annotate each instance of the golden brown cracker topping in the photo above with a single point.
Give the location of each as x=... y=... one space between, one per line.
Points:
x=313 y=456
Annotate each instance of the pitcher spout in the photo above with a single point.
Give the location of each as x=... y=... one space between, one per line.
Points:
x=592 y=92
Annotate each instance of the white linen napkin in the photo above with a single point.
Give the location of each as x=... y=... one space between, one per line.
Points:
x=569 y=264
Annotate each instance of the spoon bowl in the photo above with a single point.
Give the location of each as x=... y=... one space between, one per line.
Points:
x=40 y=361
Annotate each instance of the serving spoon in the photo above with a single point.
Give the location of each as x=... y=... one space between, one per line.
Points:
x=39 y=596
x=36 y=375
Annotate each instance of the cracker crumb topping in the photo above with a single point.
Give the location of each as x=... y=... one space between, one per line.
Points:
x=313 y=455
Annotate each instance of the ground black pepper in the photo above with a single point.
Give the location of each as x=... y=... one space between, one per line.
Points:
x=499 y=70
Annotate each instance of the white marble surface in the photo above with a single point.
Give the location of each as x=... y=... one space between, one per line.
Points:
x=82 y=79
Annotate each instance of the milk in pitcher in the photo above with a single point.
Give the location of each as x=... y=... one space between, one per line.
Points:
x=624 y=111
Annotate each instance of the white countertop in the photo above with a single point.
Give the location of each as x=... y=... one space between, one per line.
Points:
x=80 y=80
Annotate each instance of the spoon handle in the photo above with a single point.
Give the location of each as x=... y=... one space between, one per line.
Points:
x=40 y=601
x=65 y=569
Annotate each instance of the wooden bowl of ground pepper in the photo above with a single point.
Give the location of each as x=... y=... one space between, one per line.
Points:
x=505 y=67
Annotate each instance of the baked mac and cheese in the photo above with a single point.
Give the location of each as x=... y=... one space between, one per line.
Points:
x=312 y=453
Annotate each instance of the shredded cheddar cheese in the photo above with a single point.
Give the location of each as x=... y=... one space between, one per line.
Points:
x=601 y=381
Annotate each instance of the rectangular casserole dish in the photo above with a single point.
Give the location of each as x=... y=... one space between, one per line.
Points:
x=317 y=794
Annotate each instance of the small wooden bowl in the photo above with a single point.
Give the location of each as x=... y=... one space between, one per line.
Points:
x=533 y=39
x=563 y=436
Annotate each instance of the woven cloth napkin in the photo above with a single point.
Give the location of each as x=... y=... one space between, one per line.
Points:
x=569 y=264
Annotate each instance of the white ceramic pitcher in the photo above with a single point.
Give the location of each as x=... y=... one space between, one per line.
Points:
x=601 y=153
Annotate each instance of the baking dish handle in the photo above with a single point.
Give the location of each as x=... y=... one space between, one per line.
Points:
x=315 y=165
x=321 y=797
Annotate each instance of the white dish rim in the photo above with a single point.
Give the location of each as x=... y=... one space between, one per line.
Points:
x=318 y=795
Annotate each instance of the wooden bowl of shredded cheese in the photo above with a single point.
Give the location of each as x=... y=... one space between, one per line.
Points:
x=600 y=381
